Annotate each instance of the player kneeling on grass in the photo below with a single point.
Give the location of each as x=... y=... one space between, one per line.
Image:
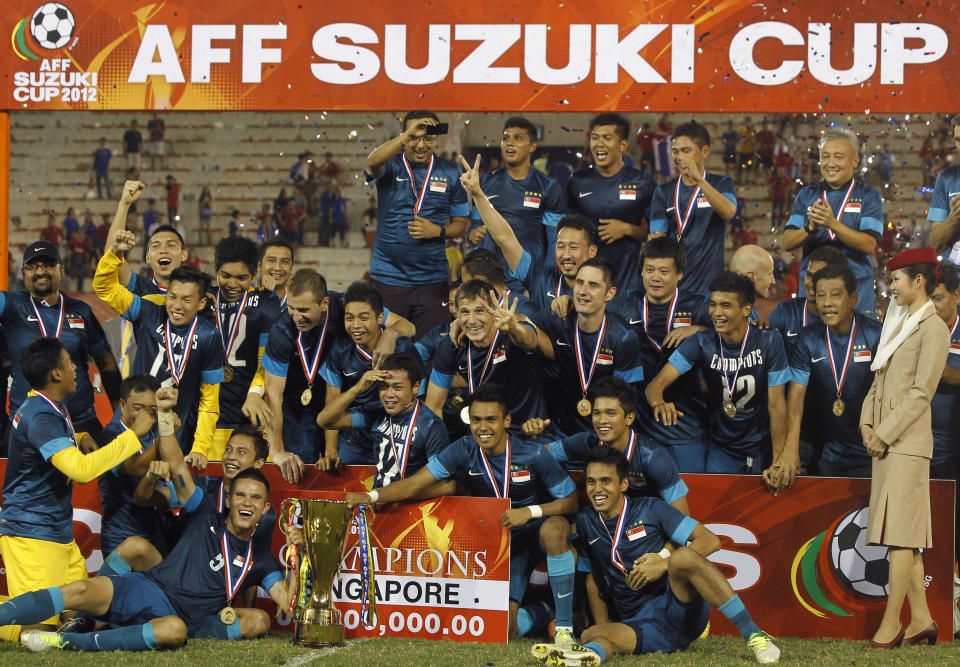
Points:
x=624 y=540
x=213 y=562
x=493 y=464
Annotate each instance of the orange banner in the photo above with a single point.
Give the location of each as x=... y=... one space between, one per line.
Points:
x=730 y=55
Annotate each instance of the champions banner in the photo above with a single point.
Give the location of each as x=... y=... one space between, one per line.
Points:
x=736 y=55
x=798 y=560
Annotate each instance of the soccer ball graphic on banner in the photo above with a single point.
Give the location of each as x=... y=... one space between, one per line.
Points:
x=52 y=25
x=863 y=569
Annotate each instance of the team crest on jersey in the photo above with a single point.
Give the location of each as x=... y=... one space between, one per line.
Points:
x=862 y=354
x=703 y=202
x=532 y=199
x=438 y=184
x=628 y=192
x=637 y=479
x=500 y=355
x=635 y=531
x=520 y=476
x=75 y=322
x=682 y=320
x=954 y=347
x=604 y=359
x=853 y=206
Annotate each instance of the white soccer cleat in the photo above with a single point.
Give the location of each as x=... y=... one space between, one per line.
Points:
x=564 y=639
x=763 y=648
x=40 y=640
x=543 y=652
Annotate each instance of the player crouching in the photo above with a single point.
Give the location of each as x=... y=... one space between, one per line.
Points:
x=624 y=540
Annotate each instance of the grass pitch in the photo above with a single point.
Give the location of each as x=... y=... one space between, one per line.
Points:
x=276 y=649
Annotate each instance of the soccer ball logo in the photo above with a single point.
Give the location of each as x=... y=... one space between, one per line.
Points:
x=862 y=568
x=52 y=25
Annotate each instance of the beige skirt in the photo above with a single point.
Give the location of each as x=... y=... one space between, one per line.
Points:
x=900 y=502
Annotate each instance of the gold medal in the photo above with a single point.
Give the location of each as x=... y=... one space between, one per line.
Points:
x=465 y=415
x=838 y=407
x=306 y=396
x=584 y=408
x=227 y=373
x=729 y=409
x=228 y=615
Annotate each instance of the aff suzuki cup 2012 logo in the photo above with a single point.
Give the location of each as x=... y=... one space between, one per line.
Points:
x=45 y=36
x=51 y=27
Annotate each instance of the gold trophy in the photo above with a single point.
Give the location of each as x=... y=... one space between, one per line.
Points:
x=317 y=621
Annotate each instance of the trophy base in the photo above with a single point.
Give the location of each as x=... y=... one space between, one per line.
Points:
x=314 y=635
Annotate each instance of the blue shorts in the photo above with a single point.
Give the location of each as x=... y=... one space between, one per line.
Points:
x=721 y=461
x=136 y=600
x=668 y=625
x=525 y=553
x=213 y=628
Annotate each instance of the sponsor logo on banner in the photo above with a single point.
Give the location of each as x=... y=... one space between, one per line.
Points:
x=604 y=359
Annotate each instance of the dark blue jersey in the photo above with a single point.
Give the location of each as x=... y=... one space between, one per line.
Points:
x=400 y=451
x=543 y=283
x=427 y=345
x=398 y=258
x=624 y=196
x=647 y=525
x=192 y=576
x=36 y=496
x=651 y=327
x=862 y=212
x=531 y=206
x=204 y=364
x=261 y=311
x=945 y=406
x=282 y=357
x=534 y=476
x=763 y=364
x=652 y=470
x=946 y=188
x=704 y=233
x=810 y=360
x=619 y=355
x=790 y=317
x=121 y=517
x=144 y=286
x=343 y=368
x=81 y=335
x=519 y=371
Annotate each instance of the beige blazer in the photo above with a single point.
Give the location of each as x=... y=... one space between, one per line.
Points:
x=898 y=403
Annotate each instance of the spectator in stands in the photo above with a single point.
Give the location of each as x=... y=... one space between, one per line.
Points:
x=156 y=127
x=70 y=223
x=173 y=199
x=766 y=140
x=233 y=227
x=205 y=214
x=299 y=171
x=645 y=138
x=884 y=165
x=779 y=184
x=746 y=148
x=328 y=168
x=101 y=168
x=132 y=141
x=745 y=235
x=151 y=218
x=51 y=233
x=266 y=223
x=561 y=172
x=103 y=231
x=839 y=211
x=338 y=218
x=729 y=139
x=664 y=126
x=90 y=228
x=292 y=217
x=78 y=249
x=324 y=212
x=369 y=222
x=421 y=203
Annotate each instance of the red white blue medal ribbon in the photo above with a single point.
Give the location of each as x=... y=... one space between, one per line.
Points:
x=804 y=318
x=232 y=587
x=486 y=363
x=62 y=413
x=234 y=326
x=159 y=286
x=846 y=361
x=311 y=371
x=953 y=327
x=615 y=556
x=402 y=465
x=413 y=185
x=506 y=471
x=60 y=318
x=585 y=379
x=682 y=222
x=176 y=370
x=645 y=314
x=220 y=503
x=363 y=353
x=843 y=206
x=727 y=385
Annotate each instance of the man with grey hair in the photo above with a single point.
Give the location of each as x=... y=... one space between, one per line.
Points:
x=945 y=207
x=756 y=264
x=839 y=211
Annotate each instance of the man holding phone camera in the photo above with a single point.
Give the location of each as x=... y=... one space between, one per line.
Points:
x=421 y=203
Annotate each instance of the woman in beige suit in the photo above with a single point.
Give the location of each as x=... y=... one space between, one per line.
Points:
x=896 y=429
